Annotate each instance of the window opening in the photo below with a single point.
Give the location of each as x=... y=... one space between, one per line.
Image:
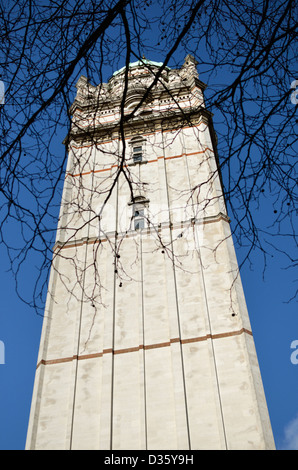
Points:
x=138 y=147
x=139 y=218
x=137 y=153
x=139 y=212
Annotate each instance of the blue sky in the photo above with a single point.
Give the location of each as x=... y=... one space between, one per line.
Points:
x=20 y=331
x=274 y=326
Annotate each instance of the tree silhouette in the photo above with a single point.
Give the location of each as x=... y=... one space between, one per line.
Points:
x=245 y=52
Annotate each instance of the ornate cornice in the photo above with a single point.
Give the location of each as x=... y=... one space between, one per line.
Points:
x=142 y=123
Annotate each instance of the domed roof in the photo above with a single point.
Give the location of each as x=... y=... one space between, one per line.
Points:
x=140 y=63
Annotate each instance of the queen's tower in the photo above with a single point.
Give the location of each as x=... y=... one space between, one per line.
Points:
x=146 y=342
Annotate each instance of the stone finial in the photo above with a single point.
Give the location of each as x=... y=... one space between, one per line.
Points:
x=84 y=88
x=189 y=68
x=82 y=82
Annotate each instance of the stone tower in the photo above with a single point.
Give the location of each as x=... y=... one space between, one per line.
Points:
x=146 y=342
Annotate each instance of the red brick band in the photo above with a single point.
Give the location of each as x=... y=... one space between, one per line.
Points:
x=145 y=347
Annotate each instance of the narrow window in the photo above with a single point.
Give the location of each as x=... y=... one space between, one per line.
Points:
x=138 y=149
x=137 y=153
x=139 y=218
x=139 y=212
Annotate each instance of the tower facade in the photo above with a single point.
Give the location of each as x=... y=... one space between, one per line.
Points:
x=146 y=342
